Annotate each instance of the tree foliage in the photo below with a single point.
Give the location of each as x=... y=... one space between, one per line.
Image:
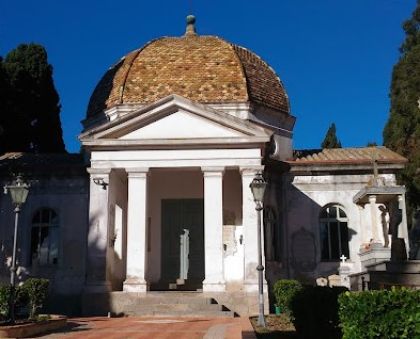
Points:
x=29 y=102
x=331 y=140
x=402 y=130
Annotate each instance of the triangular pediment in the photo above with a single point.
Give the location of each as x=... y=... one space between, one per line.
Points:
x=180 y=125
x=175 y=118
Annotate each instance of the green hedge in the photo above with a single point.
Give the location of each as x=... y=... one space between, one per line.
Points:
x=315 y=312
x=284 y=291
x=385 y=314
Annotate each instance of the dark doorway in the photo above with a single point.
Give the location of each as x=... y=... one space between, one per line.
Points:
x=181 y=216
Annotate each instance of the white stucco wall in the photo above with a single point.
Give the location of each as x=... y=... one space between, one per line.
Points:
x=306 y=195
x=232 y=197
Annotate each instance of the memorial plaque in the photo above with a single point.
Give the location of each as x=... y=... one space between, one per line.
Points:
x=229 y=240
x=303 y=251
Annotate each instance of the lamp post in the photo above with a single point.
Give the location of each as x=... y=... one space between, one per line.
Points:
x=18 y=191
x=258 y=186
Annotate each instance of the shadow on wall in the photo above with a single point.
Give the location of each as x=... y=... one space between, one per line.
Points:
x=66 y=293
x=302 y=237
x=102 y=265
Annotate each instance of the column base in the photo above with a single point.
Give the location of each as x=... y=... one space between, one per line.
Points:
x=97 y=287
x=135 y=285
x=219 y=286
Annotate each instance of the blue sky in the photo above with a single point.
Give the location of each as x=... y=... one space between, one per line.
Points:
x=335 y=57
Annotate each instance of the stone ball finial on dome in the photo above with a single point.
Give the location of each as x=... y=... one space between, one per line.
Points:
x=190 y=25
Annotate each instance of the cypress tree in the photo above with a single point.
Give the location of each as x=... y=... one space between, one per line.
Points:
x=4 y=116
x=402 y=130
x=331 y=140
x=32 y=111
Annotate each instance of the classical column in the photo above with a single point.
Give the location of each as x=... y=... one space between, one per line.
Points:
x=250 y=224
x=213 y=229
x=374 y=218
x=136 y=230
x=403 y=229
x=96 y=270
x=362 y=231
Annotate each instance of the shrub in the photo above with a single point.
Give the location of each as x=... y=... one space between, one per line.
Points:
x=315 y=312
x=36 y=290
x=284 y=291
x=4 y=301
x=5 y=295
x=380 y=314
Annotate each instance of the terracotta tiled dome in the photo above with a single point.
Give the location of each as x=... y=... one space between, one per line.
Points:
x=205 y=69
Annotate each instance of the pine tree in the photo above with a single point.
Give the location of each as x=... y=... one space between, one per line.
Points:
x=402 y=131
x=31 y=110
x=331 y=140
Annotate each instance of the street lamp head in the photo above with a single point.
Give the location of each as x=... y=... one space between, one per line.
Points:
x=258 y=186
x=18 y=191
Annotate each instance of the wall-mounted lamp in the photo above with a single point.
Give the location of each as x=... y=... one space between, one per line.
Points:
x=100 y=182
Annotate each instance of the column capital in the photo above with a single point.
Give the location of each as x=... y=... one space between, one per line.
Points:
x=372 y=199
x=97 y=172
x=137 y=172
x=250 y=170
x=213 y=171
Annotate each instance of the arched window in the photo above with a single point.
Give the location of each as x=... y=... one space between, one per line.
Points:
x=334 y=233
x=44 y=237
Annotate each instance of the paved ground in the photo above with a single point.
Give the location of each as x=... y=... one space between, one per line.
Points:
x=146 y=327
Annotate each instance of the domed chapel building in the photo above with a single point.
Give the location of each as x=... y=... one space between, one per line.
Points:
x=160 y=199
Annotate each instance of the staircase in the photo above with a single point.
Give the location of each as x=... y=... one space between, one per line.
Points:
x=173 y=304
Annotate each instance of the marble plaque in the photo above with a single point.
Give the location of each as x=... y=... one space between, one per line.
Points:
x=303 y=251
x=229 y=241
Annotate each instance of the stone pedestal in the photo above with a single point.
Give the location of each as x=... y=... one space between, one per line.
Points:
x=375 y=253
x=344 y=270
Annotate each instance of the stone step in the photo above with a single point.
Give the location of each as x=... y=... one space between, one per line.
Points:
x=172 y=313
x=181 y=304
x=160 y=298
x=174 y=307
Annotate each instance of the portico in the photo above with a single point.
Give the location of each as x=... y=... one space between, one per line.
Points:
x=206 y=158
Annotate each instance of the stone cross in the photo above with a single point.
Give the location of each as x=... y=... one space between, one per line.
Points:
x=343 y=258
x=375 y=166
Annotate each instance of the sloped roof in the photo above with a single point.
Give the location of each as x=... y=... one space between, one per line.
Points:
x=20 y=160
x=334 y=156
